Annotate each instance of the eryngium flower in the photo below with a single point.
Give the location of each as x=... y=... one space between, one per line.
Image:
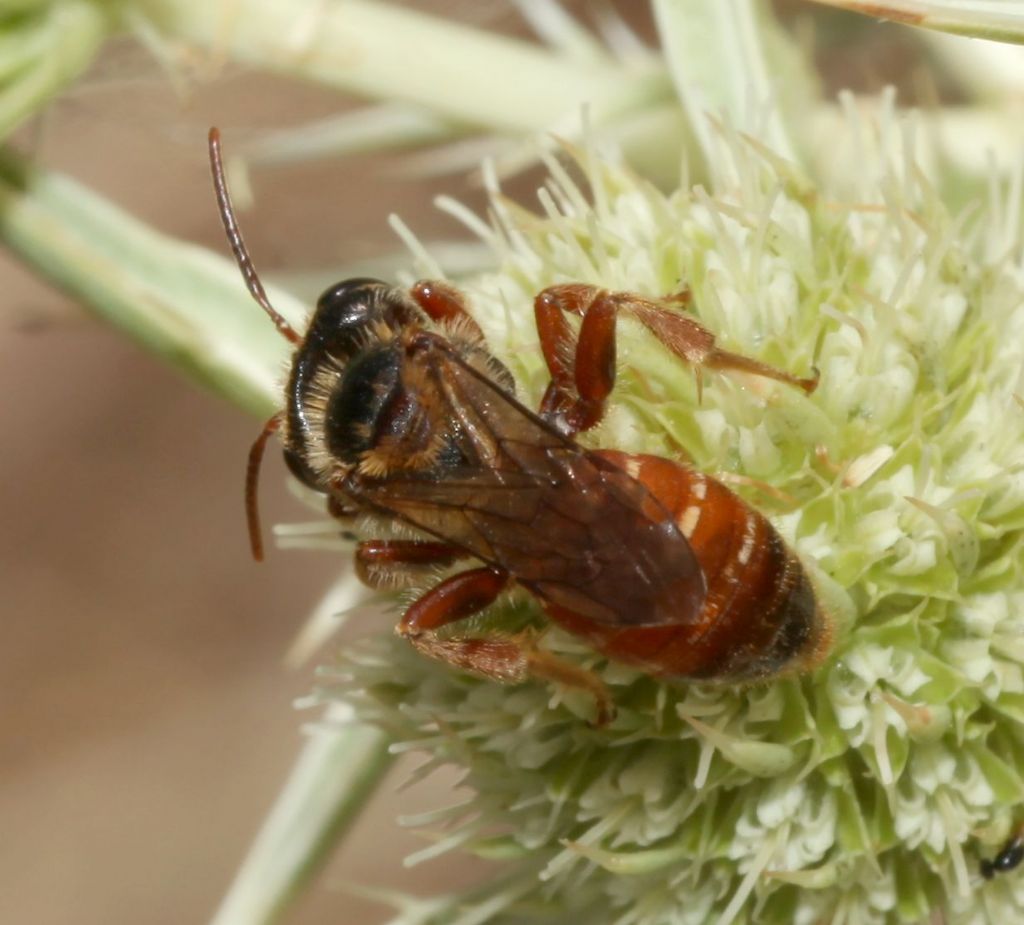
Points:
x=868 y=790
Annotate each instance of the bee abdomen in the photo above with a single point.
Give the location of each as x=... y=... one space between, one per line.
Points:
x=760 y=617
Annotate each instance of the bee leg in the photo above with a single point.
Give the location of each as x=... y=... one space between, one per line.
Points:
x=252 y=477
x=582 y=366
x=695 y=344
x=734 y=478
x=542 y=664
x=509 y=659
x=397 y=563
x=456 y=598
x=582 y=376
x=444 y=303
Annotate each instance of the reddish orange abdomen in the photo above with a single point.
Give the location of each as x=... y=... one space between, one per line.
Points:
x=759 y=617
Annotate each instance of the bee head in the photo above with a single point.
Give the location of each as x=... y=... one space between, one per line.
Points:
x=352 y=314
x=345 y=379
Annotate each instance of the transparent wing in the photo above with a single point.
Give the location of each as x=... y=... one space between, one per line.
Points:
x=568 y=525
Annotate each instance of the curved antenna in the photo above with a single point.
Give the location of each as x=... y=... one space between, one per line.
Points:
x=234 y=233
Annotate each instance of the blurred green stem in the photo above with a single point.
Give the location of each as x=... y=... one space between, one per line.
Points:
x=338 y=770
x=179 y=301
x=398 y=54
x=1002 y=20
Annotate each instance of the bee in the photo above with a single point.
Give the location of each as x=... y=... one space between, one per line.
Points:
x=395 y=407
x=1009 y=857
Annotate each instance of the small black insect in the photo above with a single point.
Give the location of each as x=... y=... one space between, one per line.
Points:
x=1009 y=857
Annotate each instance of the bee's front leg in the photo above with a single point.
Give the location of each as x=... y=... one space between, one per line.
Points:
x=444 y=303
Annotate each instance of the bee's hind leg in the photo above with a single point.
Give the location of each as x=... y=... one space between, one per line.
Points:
x=542 y=664
x=506 y=658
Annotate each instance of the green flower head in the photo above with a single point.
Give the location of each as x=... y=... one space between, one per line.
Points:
x=867 y=790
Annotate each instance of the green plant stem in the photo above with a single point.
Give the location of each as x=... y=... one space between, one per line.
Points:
x=334 y=776
x=398 y=54
x=179 y=301
x=980 y=19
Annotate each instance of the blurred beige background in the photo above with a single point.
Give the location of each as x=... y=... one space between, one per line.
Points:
x=147 y=719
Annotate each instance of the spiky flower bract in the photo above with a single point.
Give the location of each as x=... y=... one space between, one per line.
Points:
x=867 y=790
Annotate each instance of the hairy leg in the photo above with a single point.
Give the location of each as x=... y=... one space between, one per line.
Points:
x=582 y=365
x=506 y=658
